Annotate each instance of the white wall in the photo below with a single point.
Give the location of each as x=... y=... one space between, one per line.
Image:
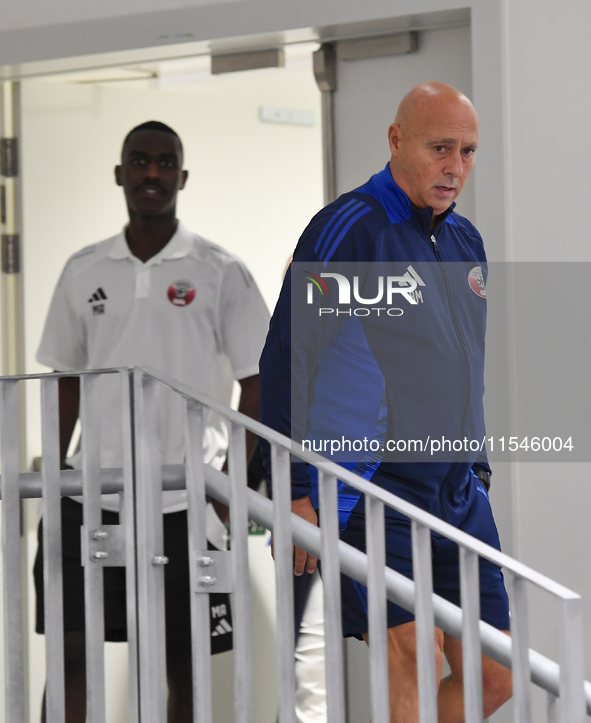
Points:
x=548 y=191
x=252 y=188
x=370 y=90
x=530 y=67
x=549 y=55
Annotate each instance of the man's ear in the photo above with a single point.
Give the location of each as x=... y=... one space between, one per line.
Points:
x=118 y=176
x=394 y=137
x=184 y=176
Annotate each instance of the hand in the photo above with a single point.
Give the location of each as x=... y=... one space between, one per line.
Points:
x=303 y=560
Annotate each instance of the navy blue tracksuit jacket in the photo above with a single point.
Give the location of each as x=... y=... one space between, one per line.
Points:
x=402 y=370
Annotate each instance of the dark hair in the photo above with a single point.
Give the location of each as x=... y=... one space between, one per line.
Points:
x=152 y=126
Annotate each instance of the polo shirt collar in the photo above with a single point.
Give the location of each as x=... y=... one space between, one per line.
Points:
x=178 y=247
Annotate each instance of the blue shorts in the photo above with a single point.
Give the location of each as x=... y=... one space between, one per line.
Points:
x=476 y=520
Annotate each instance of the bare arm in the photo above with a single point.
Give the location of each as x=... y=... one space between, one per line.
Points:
x=69 y=404
x=249 y=405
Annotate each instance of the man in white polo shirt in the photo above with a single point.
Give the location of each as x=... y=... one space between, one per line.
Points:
x=155 y=295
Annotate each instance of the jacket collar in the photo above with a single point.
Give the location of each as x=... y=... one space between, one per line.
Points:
x=398 y=205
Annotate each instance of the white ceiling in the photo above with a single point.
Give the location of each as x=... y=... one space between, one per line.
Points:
x=19 y=14
x=38 y=37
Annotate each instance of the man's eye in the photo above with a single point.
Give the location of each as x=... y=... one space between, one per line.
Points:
x=138 y=161
x=167 y=164
x=469 y=151
x=440 y=149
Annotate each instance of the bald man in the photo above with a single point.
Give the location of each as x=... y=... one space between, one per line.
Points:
x=376 y=347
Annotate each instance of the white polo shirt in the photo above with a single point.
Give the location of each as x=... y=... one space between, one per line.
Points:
x=192 y=311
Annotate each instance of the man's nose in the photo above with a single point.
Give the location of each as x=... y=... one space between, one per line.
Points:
x=455 y=166
x=152 y=170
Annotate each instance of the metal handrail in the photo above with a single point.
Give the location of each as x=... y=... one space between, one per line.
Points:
x=559 y=681
x=321 y=463
x=399 y=589
x=565 y=681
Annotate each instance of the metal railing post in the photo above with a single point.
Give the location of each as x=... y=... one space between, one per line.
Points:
x=127 y=517
x=425 y=621
x=572 y=667
x=552 y=708
x=52 y=552
x=14 y=658
x=282 y=544
x=243 y=699
x=93 y=568
x=200 y=610
x=150 y=553
x=471 y=649
x=377 y=609
x=331 y=578
x=520 y=649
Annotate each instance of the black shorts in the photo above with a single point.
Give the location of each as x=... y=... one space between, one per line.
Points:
x=476 y=520
x=177 y=593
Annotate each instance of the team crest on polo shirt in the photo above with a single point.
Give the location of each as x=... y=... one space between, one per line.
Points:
x=181 y=293
x=476 y=282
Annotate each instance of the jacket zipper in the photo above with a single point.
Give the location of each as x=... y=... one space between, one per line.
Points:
x=466 y=355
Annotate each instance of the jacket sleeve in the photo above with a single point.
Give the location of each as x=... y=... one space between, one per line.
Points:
x=298 y=333
x=276 y=388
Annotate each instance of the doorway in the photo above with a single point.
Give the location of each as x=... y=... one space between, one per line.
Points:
x=253 y=186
